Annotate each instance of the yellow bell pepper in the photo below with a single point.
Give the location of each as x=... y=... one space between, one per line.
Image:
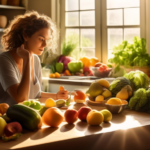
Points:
x=86 y=61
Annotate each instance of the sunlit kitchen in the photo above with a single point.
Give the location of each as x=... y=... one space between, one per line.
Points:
x=74 y=74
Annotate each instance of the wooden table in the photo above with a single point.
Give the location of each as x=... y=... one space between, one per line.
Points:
x=128 y=130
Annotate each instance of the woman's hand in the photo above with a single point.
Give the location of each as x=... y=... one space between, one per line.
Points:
x=62 y=94
x=22 y=52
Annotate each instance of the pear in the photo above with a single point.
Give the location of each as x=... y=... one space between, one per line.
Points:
x=123 y=94
x=107 y=94
x=95 y=89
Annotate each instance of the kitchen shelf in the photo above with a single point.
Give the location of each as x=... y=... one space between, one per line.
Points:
x=11 y=7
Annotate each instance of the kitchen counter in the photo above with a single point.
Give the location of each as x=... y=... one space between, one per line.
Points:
x=69 y=82
x=128 y=130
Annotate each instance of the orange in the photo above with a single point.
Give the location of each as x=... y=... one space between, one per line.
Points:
x=114 y=101
x=94 y=117
x=61 y=88
x=79 y=95
x=52 y=117
x=49 y=102
x=52 y=75
x=94 y=60
x=57 y=75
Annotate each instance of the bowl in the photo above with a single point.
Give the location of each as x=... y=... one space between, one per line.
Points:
x=97 y=73
x=116 y=109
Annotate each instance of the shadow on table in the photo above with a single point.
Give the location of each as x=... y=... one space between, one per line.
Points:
x=67 y=127
x=81 y=126
x=118 y=118
x=43 y=133
x=92 y=130
x=106 y=125
x=77 y=106
x=10 y=144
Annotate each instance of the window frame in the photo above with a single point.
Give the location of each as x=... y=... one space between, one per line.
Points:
x=101 y=50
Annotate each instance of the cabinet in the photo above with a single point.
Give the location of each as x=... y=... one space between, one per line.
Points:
x=10 y=12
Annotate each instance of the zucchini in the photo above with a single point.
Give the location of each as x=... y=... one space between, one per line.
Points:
x=26 y=116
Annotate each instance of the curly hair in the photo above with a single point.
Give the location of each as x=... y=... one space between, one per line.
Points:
x=29 y=23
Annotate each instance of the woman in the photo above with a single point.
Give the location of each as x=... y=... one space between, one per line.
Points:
x=20 y=69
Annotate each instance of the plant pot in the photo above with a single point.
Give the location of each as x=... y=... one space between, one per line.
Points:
x=13 y=2
x=3 y=2
x=3 y=21
x=144 y=69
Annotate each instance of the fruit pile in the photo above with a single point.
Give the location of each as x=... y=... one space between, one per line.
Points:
x=99 y=90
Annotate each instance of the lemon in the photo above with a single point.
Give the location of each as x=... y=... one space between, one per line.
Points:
x=107 y=115
x=114 y=101
x=99 y=98
x=49 y=102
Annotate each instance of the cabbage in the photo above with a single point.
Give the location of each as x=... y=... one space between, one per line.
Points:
x=138 y=79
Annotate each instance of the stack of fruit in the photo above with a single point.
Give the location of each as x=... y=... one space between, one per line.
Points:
x=98 y=90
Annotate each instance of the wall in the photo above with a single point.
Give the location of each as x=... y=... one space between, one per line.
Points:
x=148 y=25
x=42 y=6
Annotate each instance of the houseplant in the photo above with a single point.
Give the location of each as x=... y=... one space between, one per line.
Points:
x=132 y=56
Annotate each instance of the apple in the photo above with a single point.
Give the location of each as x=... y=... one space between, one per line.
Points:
x=12 y=128
x=2 y=126
x=71 y=115
x=83 y=112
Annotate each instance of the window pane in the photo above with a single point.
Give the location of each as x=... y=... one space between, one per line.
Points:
x=87 y=18
x=110 y=55
x=72 y=19
x=132 y=16
x=88 y=52
x=114 y=37
x=88 y=38
x=130 y=33
x=73 y=33
x=114 y=17
x=122 y=3
x=72 y=5
x=87 y=4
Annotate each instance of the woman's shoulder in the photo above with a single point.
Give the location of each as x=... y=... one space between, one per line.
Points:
x=36 y=59
x=4 y=56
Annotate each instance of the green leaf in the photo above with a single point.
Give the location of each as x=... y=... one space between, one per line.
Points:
x=68 y=100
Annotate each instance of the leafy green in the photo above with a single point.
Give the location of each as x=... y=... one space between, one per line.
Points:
x=13 y=137
x=138 y=79
x=128 y=54
x=138 y=100
x=68 y=100
x=69 y=45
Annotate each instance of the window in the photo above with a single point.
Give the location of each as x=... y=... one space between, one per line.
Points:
x=101 y=24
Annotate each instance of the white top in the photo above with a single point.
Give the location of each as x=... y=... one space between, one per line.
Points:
x=10 y=75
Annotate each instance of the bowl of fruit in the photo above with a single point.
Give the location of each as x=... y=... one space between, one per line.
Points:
x=101 y=70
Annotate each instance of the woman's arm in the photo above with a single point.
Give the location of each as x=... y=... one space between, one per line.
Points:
x=20 y=92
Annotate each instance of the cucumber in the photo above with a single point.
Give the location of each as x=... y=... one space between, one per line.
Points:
x=26 y=116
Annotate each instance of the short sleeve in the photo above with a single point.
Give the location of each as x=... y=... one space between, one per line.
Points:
x=8 y=76
x=38 y=69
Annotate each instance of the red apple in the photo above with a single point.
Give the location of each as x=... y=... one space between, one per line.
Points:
x=71 y=115
x=12 y=128
x=83 y=112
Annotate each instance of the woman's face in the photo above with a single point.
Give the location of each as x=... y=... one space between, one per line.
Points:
x=36 y=43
